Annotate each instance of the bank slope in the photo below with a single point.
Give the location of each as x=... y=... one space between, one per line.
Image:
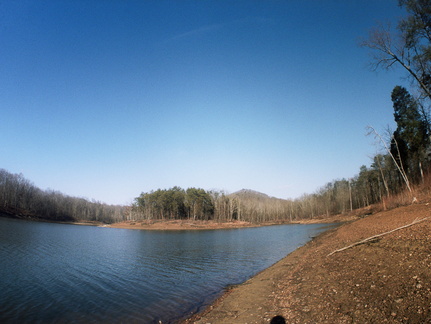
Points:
x=388 y=279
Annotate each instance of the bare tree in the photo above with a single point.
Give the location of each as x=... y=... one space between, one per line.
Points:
x=398 y=165
x=409 y=47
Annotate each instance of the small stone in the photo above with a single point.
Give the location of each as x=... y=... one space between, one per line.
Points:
x=418 y=286
x=394 y=314
x=399 y=300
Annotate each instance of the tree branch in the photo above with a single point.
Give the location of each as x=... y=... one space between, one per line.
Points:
x=416 y=221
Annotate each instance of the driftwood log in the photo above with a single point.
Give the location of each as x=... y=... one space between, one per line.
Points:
x=416 y=221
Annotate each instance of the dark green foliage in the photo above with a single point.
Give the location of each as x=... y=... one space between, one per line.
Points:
x=411 y=139
x=175 y=203
x=399 y=150
x=199 y=204
x=411 y=127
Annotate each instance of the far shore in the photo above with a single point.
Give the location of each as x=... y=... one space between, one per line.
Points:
x=187 y=224
x=173 y=225
x=184 y=224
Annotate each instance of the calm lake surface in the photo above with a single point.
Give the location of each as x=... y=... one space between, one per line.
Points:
x=52 y=273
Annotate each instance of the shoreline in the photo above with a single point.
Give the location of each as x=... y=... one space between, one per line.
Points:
x=173 y=225
x=221 y=310
x=184 y=224
x=386 y=279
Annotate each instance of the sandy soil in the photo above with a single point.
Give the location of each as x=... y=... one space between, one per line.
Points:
x=205 y=225
x=176 y=225
x=386 y=280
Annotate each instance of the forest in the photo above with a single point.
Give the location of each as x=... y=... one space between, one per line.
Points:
x=402 y=164
x=21 y=198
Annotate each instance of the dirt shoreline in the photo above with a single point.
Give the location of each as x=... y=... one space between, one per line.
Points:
x=386 y=280
x=173 y=225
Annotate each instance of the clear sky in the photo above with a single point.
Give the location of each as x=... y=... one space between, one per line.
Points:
x=107 y=99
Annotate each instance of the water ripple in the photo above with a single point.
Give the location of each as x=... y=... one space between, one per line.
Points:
x=53 y=273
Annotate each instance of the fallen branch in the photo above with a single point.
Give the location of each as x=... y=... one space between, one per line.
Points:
x=378 y=235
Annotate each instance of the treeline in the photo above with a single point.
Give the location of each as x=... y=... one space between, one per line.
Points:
x=403 y=164
x=404 y=160
x=198 y=204
x=374 y=184
x=175 y=203
x=20 y=198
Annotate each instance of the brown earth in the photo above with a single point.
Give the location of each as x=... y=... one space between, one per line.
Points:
x=386 y=280
x=166 y=225
x=204 y=225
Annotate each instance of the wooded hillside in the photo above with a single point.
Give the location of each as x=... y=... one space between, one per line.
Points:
x=20 y=198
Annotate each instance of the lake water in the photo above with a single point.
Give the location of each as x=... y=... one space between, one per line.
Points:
x=57 y=273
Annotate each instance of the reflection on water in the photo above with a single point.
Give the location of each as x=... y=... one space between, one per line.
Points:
x=62 y=273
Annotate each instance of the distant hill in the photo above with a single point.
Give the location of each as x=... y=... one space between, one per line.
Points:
x=251 y=194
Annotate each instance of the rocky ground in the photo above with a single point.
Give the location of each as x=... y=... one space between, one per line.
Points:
x=385 y=280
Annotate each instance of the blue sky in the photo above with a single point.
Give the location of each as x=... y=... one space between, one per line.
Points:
x=107 y=99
